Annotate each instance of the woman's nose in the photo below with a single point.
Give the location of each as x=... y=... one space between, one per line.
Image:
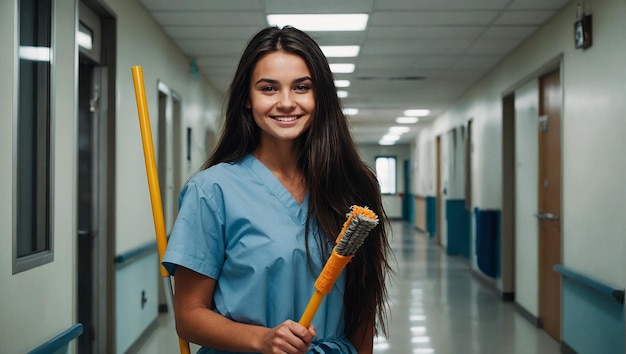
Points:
x=285 y=101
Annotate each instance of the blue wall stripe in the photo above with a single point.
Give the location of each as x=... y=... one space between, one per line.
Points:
x=592 y=322
x=59 y=343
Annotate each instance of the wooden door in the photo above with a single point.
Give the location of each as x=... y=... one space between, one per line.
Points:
x=549 y=213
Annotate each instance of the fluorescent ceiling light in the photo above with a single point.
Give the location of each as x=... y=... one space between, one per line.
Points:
x=399 y=130
x=35 y=53
x=84 y=36
x=320 y=22
x=340 y=51
x=386 y=142
x=350 y=111
x=390 y=137
x=407 y=120
x=341 y=68
x=342 y=94
x=342 y=83
x=417 y=112
x=84 y=40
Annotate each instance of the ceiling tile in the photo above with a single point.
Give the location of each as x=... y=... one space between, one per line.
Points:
x=523 y=17
x=211 y=32
x=428 y=32
x=210 y=18
x=449 y=46
x=538 y=4
x=395 y=46
x=203 y=5
x=489 y=46
x=456 y=18
x=509 y=31
x=317 y=6
x=441 y=5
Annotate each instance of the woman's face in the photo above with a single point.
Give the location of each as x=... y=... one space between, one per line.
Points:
x=282 y=96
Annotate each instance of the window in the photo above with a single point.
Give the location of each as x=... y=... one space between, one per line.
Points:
x=32 y=243
x=386 y=174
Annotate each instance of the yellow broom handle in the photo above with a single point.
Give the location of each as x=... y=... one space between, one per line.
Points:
x=153 y=177
x=311 y=308
x=324 y=284
x=151 y=170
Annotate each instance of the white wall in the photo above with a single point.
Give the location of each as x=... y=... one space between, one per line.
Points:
x=142 y=42
x=594 y=169
x=526 y=199
x=594 y=81
x=424 y=162
x=40 y=301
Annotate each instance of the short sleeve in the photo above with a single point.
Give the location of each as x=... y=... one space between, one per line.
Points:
x=197 y=239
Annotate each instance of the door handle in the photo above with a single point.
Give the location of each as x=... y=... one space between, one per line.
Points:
x=546 y=216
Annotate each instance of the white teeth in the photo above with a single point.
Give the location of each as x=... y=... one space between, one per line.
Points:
x=285 y=119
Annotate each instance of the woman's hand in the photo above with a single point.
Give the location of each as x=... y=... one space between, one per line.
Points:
x=197 y=323
x=288 y=337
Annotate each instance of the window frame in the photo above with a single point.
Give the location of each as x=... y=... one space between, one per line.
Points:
x=395 y=181
x=46 y=255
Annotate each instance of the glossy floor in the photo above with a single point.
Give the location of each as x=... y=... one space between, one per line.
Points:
x=437 y=306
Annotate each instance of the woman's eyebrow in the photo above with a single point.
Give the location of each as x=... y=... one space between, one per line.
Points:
x=304 y=78
x=264 y=80
x=272 y=81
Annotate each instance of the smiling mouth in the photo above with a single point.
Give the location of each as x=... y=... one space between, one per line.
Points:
x=286 y=119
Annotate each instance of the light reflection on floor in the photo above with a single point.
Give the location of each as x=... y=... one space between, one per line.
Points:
x=438 y=306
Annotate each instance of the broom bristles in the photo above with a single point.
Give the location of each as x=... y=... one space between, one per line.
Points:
x=361 y=220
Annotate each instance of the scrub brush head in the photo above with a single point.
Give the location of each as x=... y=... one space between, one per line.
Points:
x=361 y=220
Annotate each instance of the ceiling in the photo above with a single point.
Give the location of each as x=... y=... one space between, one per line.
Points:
x=415 y=54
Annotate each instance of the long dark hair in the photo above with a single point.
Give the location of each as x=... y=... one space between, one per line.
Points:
x=336 y=176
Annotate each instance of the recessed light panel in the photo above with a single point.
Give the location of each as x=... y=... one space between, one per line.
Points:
x=417 y=112
x=350 y=111
x=340 y=51
x=407 y=120
x=320 y=22
x=341 y=68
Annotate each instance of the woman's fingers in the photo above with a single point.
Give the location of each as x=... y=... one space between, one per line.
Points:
x=289 y=337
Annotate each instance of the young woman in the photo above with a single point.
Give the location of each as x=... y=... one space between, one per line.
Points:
x=256 y=225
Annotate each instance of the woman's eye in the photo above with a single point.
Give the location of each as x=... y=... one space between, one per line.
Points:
x=302 y=88
x=267 y=88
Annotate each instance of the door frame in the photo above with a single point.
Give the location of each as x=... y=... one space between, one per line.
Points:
x=103 y=57
x=507 y=231
x=546 y=273
x=556 y=63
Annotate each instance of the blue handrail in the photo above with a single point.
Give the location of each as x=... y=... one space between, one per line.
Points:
x=60 y=341
x=603 y=288
x=135 y=253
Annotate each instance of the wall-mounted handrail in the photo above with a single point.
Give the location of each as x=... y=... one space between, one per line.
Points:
x=60 y=341
x=135 y=253
x=601 y=287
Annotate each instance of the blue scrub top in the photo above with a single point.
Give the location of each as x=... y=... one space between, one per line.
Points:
x=240 y=226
